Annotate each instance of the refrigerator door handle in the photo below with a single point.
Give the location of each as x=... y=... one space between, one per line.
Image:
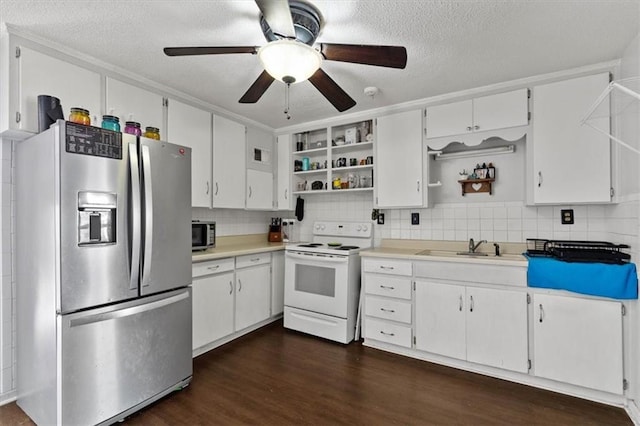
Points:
x=148 y=216
x=135 y=217
x=128 y=311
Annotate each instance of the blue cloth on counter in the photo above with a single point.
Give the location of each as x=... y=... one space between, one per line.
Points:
x=596 y=279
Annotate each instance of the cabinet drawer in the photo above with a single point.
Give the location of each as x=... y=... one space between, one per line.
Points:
x=386 y=332
x=387 y=266
x=388 y=286
x=253 y=259
x=390 y=309
x=210 y=267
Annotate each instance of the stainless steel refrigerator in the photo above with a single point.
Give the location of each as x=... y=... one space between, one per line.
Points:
x=103 y=265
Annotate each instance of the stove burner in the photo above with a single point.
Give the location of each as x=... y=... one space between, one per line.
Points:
x=310 y=245
x=348 y=248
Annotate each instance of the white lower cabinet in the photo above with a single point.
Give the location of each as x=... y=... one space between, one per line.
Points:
x=578 y=341
x=253 y=295
x=232 y=295
x=213 y=301
x=387 y=302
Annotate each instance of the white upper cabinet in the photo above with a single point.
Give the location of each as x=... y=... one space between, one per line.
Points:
x=283 y=187
x=40 y=74
x=229 y=168
x=398 y=180
x=571 y=162
x=259 y=190
x=132 y=103
x=491 y=112
x=190 y=126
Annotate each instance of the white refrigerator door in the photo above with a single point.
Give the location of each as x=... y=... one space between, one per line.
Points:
x=124 y=356
x=165 y=172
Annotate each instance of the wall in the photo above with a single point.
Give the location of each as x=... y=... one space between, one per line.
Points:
x=236 y=222
x=7 y=286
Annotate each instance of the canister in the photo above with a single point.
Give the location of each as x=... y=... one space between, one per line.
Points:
x=152 y=133
x=80 y=116
x=306 y=165
x=133 y=128
x=111 y=122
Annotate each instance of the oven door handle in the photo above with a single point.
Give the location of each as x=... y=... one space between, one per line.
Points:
x=318 y=257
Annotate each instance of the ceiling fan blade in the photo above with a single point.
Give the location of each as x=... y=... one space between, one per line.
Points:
x=208 y=50
x=382 y=56
x=330 y=90
x=278 y=16
x=257 y=89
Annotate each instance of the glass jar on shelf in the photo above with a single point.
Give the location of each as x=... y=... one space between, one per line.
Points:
x=80 y=116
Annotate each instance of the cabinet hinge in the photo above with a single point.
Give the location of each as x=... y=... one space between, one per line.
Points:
x=610 y=77
x=414 y=286
x=528 y=364
x=528 y=299
x=528 y=93
x=625 y=384
x=18 y=117
x=18 y=52
x=612 y=192
x=375 y=121
x=376 y=201
x=529 y=116
x=414 y=340
x=165 y=102
x=623 y=309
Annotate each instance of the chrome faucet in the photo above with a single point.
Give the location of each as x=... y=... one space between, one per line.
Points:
x=473 y=246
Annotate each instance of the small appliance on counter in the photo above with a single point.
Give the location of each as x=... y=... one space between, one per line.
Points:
x=203 y=235
x=275 y=230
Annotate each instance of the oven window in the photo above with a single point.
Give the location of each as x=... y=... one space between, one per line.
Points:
x=316 y=280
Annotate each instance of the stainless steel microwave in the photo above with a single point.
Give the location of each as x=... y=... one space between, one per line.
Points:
x=203 y=235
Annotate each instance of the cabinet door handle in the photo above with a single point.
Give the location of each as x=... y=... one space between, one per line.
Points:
x=471 y=303
x=539 y=179
x=216 y=189
x=387 y=334
x=389 y=268
x=541 y=313
x=418 y=185
x=460 y=304
x=285 y=194
x=387 y=287
x=476 y=127
x=239 y=285
x=207 y=187
x=230 y=287
x=255 y=259
x=213 y=268
x=250 y=192
x=391 y=311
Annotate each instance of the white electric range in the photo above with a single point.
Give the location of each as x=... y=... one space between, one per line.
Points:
x=322 y=280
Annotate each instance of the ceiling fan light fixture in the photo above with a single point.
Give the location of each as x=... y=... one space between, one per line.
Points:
x=289 y=61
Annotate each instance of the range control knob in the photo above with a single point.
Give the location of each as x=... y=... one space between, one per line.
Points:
x=364 y=228
x=358 y=228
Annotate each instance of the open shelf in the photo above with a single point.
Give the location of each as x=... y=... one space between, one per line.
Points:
x=333 y=191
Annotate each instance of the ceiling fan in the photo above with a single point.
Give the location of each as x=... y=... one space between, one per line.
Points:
x=291 y=28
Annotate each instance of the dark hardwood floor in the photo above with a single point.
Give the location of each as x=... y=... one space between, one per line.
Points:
x=279 y=377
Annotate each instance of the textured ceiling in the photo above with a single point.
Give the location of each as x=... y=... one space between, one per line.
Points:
x=451 y=45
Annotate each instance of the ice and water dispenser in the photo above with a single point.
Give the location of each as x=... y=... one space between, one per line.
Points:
x=96 y=218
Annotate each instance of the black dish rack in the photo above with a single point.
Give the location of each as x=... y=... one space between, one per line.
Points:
x=579 y=251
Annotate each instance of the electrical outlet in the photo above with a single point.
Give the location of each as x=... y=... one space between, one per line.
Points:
x=380 y=218
x=415 y=218
x=566 y=217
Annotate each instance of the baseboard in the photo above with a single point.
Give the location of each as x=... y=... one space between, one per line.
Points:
x=8 y=397
x=633 y=412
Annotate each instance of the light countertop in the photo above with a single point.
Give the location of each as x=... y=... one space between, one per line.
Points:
x=447 y=251
x=237 y=245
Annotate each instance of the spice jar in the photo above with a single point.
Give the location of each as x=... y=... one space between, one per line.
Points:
x=152 y=133
x=80 y=116
x=133 y=128
x=337 y=183
x=111 y=122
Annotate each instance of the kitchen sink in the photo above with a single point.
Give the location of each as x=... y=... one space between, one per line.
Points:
x=471 y=253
